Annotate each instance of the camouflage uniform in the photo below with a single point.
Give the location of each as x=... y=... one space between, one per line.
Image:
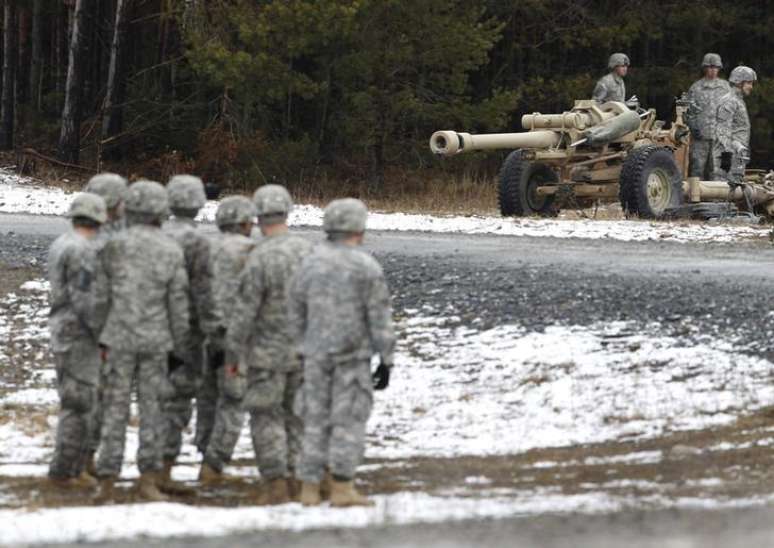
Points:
x=74 y=325
x=148 y=317
x=259 y=329
x=227 y=262
x=611 y=87
x=186 y=196
x=732 y=131
x=704 y=95
x=339 y=315
x=111 y=188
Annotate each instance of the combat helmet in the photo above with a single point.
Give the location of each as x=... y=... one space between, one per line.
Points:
x=272 y=200
x=346 y=215
x=712 y=60
x=186 y=192
x=90 y=206
x=742 y=74
x=617 y=59
x=234 y=210
x=109 y=186
x=147 y=197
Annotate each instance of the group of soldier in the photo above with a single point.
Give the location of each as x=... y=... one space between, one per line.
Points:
x=717 y=115
x=275 y=328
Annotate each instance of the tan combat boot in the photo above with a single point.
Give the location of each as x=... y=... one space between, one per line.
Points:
x=166 y=469
x=343 y=493
x=85 y=481
x=310 y=494
x=106 y=491
x=294 y=489
x=207 y=474
x=325 y=486
x=274 y=492
x=147 y=487
x=90 y=466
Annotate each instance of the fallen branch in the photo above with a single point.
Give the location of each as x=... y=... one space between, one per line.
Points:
x=36 y=154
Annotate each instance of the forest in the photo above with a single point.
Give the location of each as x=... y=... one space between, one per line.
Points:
x=327 y=94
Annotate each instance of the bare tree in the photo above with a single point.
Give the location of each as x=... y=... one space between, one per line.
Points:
x=70 y=135
x=36 y=59
x=10 y=53
x=115 y=93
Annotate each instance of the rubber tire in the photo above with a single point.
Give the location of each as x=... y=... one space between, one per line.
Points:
x=633 y=183
x=514 y=178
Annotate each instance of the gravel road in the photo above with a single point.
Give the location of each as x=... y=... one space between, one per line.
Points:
x=690 y=290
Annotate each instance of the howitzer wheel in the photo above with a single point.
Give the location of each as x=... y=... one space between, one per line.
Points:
x=651 y=184
x=519 y=180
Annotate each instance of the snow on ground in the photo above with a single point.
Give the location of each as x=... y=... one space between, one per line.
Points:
x=456 y=391
x=164 y=520
x=25 y=195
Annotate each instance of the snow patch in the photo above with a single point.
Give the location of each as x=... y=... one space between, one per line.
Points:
x=26 y=195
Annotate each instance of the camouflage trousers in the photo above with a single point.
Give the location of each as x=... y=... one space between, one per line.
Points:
x=147 y=372
x=206 y=406
x=335 y=403
x=701 y=159
x=229 y=416
x=77 y=372
x=96 y=424
x=177 y=408
x=275 y=429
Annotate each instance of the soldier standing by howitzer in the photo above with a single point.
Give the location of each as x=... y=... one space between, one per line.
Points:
x=704 y=96
x=732 y=131
x=75 y=324
x=224 y=388
x=339 y=314
x=258 y=334
x=110 y=187
x=146 y=290
x=611 y=86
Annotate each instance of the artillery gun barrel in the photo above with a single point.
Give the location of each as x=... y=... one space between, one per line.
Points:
x=449 y=143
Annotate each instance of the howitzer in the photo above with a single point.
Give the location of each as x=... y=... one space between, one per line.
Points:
x=601 y=153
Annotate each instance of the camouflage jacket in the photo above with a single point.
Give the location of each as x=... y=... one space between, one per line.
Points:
x=228 y=257
x=196 y=252
x=146 y=292
x=73 y=295
x=610 y=87
x=704 y=96
x=258 y=329
x=339 y=304
x=733 y=124
x=107 y=231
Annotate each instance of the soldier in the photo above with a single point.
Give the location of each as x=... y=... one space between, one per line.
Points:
x=732 y=130
x=258 y=334
x=111 y=188
x=611 y=86
x=75 y=327
x=704 y=95
x=235 y=218
x=147 y=291
x=339 y=314
x=186 y=198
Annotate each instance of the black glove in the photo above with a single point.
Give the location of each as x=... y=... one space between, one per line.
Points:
x=173 y=362
x=381 y=376
x=216 y=358
x=725 y=161
x=212 y=191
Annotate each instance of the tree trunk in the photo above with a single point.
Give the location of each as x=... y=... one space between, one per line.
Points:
x=9 y=75
x=36 y=59
x=70 y=136
x=23 y=68
x=115 y=93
